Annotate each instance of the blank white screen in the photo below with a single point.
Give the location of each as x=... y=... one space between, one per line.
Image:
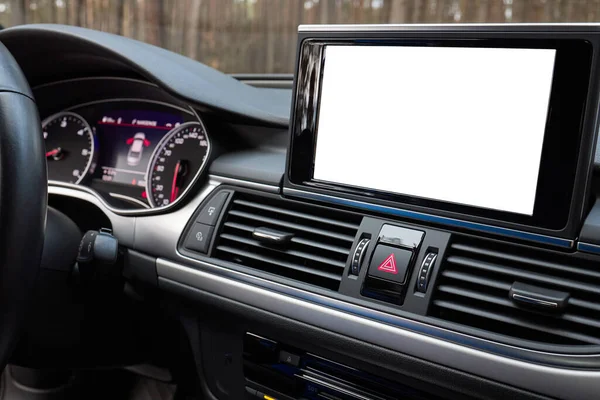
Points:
x=461 y=125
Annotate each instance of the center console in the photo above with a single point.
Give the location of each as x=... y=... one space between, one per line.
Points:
x=435 y=204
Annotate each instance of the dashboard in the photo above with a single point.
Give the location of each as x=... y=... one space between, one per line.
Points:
x=273 y=234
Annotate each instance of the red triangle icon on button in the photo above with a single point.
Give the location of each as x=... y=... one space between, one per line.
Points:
x=389 y=265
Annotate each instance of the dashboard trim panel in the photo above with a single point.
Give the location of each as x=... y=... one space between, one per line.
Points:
x=406 y=336
x=398 y=212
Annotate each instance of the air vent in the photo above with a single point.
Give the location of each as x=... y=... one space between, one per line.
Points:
x=476 y=277
x=315 y=241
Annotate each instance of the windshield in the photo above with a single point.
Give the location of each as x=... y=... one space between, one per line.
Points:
x=259 y=36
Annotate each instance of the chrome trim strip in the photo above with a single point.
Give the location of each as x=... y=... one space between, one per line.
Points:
x=392 y=332
x=128 y=198
x=100 y=201
x=397 y=27
x=246 y=184
x=533 y=300
x=534 y=237
x=588 y=247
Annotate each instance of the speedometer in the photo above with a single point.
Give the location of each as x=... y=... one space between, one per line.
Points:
x=176 y=161
x=69 y=147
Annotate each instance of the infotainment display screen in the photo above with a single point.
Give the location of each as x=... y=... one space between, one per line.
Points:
x=489 y=128
x=455 y=124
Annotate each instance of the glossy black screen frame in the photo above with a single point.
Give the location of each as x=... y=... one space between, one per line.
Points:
x=560 y=152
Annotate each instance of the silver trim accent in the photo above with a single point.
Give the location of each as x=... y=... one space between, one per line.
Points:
x=247 y=184
x=128 y=198
x=348 y=319
x=47 y=120
x=533 y=300
x=533 y=237
x=396 y=27
x=101 y=201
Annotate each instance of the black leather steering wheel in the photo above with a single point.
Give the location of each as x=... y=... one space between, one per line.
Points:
x=23 y=199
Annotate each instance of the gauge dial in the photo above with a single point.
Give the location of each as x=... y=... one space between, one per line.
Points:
x=69 y=147
x=176 y=161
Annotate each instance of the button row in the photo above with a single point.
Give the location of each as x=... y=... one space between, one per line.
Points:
x=199 y=236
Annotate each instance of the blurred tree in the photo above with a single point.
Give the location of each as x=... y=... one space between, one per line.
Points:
x=260 y=35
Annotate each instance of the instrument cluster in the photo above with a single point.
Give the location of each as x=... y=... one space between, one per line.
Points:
x=141 y=153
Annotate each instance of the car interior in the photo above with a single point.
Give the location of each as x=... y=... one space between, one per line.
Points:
x=411 y=215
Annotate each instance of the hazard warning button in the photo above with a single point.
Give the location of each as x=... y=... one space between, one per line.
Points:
x=390 y=263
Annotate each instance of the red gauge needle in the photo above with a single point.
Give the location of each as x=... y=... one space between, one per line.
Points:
x=175 y=187
x=53 y=152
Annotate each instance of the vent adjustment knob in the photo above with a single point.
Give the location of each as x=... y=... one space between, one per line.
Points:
x=358 y=256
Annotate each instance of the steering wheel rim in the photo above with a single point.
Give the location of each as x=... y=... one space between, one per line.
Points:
x=23 y=199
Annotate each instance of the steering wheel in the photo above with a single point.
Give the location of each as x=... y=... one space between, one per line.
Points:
x=23 y=199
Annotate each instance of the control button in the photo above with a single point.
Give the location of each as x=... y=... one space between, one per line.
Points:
x=425 y=272
x=211 y=211
x=390 y=263
x=289 y=358
x=199 y=238
x=359 y=254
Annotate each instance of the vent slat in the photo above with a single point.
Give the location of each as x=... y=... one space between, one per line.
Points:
x=519 y=274
x=318 y=245
x=300 y=254
x=516 y=322
x=315 y=251
x=527 y=261
x=460 y=292
x=476 y=276
x=505 y=302
x=279 y=263
x=296 y=214
x=476 y=280
x=290 y=225
x=585 y=304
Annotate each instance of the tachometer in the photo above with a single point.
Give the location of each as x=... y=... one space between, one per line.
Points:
x=176 y=161
x=69 y=147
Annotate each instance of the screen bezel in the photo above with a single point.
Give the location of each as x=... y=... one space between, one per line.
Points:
x=562 y=140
